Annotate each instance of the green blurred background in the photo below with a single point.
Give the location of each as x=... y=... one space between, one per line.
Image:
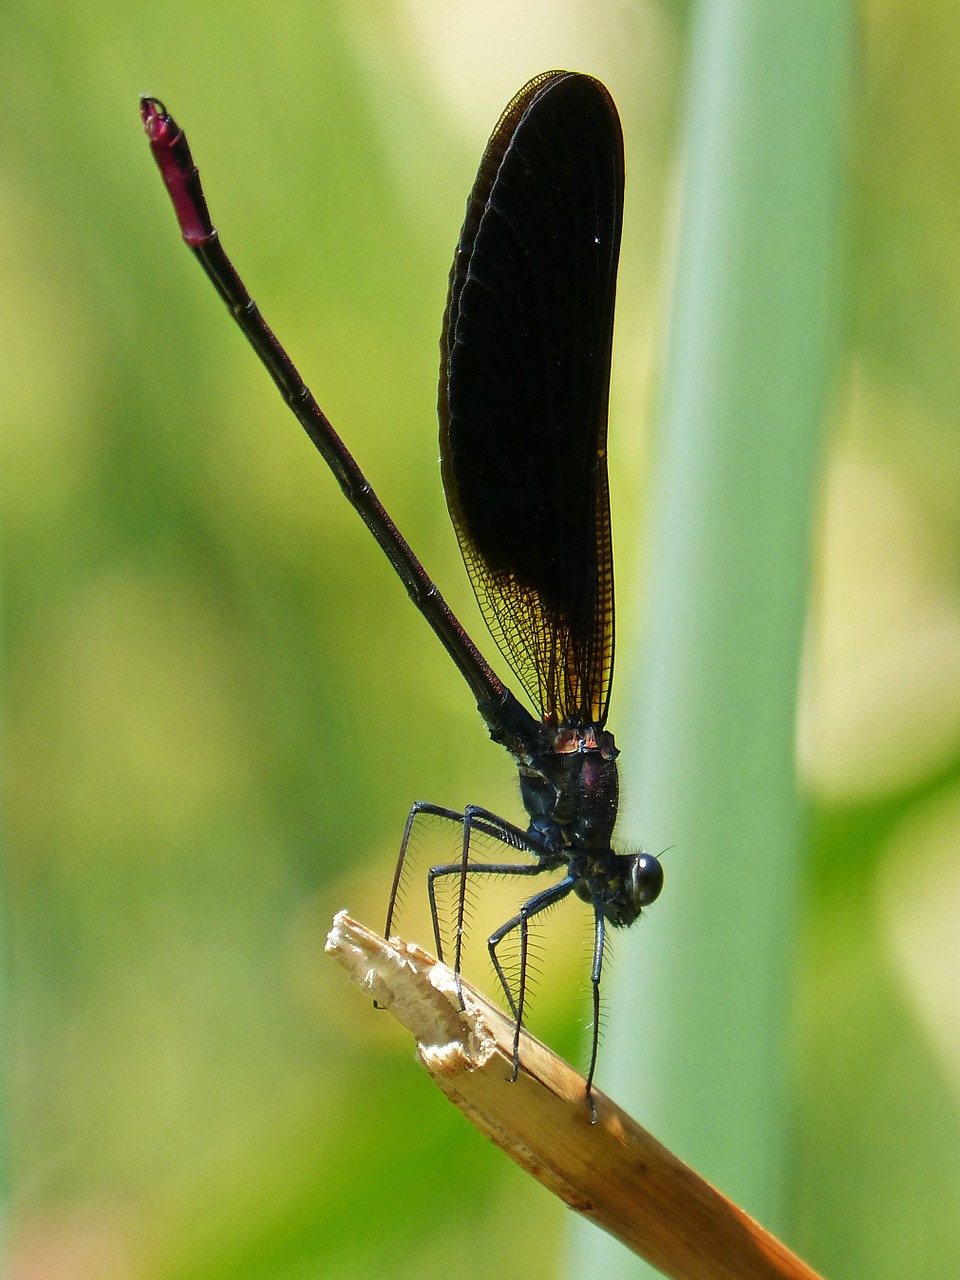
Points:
x=220 y=705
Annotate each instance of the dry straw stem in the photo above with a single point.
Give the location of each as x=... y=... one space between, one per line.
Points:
x=613 y=1172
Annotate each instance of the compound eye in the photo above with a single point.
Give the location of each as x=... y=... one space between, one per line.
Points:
x=646 y=879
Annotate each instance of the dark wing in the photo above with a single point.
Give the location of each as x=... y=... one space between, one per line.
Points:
x=524 y=383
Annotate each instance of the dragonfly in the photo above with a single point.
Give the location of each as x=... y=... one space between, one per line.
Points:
x=523 y=404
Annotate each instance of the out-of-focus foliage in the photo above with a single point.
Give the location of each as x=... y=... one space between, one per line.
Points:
x=219 y=704
x=878 y=1071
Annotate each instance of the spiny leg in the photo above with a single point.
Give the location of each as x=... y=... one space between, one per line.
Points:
x=479 y=869
x=476 y=817
x=532 y=907
x=473 y=818
x=599 y=938
x=419 y=808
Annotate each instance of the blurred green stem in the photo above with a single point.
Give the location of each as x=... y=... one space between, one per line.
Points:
x=698 y=1013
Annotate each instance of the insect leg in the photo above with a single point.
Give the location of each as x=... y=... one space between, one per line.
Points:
x=477 y=818
x=420 y=807
x=532 y=907
x=599 y=937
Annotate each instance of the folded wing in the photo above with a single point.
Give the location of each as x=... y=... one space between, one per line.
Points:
x=524 y=386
